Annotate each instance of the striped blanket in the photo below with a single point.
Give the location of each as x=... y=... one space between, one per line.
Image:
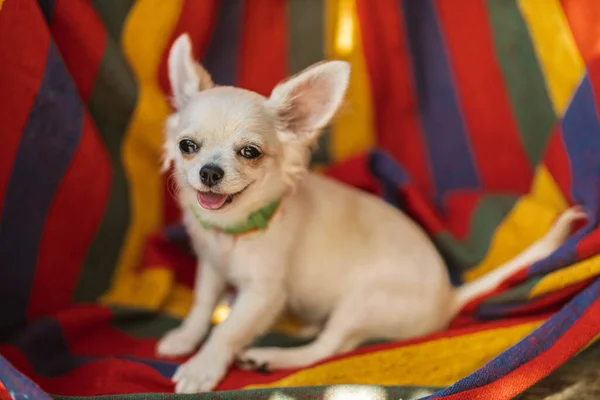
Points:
x=478 y=118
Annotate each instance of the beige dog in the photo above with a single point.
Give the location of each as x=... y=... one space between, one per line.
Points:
x=345 y=263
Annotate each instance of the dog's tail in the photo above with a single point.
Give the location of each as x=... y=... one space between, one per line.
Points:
x=540 y=249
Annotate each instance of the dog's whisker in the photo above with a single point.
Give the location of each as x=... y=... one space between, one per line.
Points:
x=172 y=186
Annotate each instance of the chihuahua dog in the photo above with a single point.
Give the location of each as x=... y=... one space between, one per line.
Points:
x=344 y=263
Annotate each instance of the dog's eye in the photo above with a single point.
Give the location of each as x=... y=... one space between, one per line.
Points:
x=250 y=152
x=188 y=146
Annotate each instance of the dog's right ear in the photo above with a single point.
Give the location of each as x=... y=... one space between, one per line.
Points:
x=186 y=76
x=305 y=103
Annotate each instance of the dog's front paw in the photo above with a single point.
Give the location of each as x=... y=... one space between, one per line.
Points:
x=178 y=342
x=202 y=372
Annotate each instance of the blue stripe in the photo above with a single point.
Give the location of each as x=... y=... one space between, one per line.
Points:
x=445 y=134
x=49 y=140
x=530 y=347
x=18 y=385
x=581 y=135
x=221 y=58
x=165 y=368
x=564 y=256
x=391 y=176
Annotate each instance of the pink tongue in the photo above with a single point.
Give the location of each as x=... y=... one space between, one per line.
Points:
x=211 y=201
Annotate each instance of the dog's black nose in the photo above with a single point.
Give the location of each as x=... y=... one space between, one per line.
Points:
x=211 y=174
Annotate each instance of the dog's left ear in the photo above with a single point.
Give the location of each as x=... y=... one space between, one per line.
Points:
x=186 y=76
x=305 y=103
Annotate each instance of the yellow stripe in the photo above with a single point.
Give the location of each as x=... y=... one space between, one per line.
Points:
x=145 y=35
x=556 y=49
x=179 y=301
x=529 y=220
x=567 y=276
x=439 y=362
x=352 y=130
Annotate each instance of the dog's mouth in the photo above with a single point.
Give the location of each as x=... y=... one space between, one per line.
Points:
x=216 y=201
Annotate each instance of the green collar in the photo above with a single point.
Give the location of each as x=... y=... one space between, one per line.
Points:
x=258 y=220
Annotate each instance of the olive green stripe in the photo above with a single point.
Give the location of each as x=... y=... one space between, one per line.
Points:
x=113 y=14
x=306 y=20
x=142 y=324
x=489 y=213
x=524 y=78
x=517 y=294
x=111 y=105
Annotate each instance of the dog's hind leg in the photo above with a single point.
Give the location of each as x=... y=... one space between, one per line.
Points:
x=343 y=332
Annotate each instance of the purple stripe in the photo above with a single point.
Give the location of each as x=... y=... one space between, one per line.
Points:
x=581 y=135
x=530 y=347
x=49 y=140
x=43 y=344
x=221 y=58
x=450 y=155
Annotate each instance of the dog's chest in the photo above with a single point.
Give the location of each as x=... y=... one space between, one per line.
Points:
x=224 y=253
x=216 y=249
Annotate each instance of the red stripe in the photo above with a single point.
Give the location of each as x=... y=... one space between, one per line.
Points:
x=502 y=163
x=580 y=334
x=355 y=172
x=589 y=245
x=71 y=224
x=4 y=394
x=81 y=38
x=21 y=71
x=421 y=210
x=459 y=211
x=396 y=110
x=83 y=194
x=160 y=253
x=88 y=331
x=263 y=59
x=557 y=163
x=584 y=19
